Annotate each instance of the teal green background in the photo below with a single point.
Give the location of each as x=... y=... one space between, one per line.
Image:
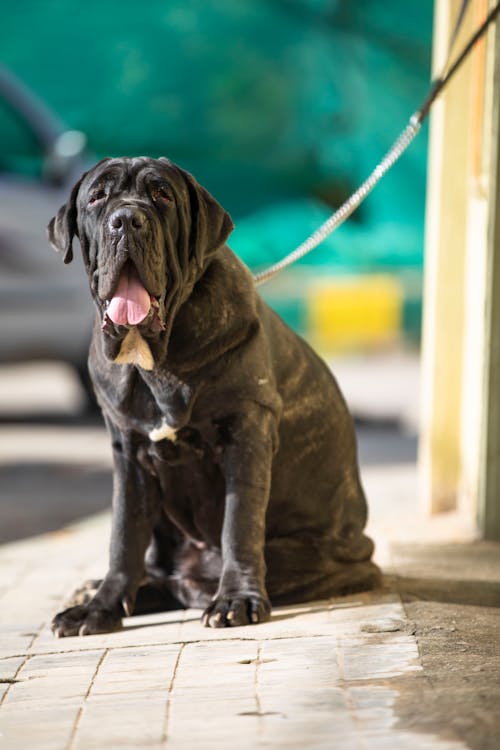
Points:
x=279 y=107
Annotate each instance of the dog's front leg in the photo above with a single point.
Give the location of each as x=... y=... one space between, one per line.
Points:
x=135 y=510
x=241 y=597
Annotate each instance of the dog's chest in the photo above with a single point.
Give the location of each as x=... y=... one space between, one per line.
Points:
x=157 y=404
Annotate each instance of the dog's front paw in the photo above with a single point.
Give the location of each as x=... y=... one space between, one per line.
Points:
x=241 y=609
x=85 y=619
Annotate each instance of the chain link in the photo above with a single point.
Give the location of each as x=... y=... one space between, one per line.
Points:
x=350 y=205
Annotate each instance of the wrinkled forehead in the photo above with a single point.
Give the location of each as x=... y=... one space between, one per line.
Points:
x=132 y=173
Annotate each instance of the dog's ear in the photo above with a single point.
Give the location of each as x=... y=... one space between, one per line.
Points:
x=210 y=224
x=63 y=227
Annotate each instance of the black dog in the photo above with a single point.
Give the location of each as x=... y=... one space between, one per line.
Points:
x=235 y=481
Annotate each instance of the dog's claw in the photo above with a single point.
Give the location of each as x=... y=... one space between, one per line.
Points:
x=233 y=612
x=85 y=620
x=127 y=605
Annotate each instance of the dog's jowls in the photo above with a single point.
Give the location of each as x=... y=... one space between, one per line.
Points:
x=235 y=473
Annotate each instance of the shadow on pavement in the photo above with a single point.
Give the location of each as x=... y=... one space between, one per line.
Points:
x=385 y=442
x=446 y=591
x=451 y=596
x=40 y=497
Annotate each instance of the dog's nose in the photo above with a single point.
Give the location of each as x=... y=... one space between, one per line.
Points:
x=125 y=219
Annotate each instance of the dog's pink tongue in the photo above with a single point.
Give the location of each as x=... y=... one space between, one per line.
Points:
x=131 y=302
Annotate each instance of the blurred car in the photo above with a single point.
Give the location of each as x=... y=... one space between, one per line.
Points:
x=45 y=306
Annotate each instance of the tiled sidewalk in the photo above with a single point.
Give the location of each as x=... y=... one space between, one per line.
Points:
x=326 y=675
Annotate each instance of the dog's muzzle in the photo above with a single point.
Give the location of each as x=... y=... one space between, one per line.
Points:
x=129 y=232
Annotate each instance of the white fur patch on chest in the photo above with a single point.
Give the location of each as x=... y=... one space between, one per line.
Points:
x=135 y=351
x=163 y=432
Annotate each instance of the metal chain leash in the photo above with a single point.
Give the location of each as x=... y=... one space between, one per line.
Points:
x=347 y=208
x=394 y=153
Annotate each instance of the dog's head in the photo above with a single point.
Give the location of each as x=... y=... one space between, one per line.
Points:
x=147 y=231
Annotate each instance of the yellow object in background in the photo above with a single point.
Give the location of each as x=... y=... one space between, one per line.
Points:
x=346 y=313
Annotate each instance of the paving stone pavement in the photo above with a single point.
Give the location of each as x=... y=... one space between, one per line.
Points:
x=320 y=675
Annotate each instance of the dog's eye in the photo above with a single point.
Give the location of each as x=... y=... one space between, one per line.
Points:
x=97 y=195
x=161 y=194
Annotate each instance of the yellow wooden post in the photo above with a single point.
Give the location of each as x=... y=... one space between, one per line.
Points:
x=460 y=249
